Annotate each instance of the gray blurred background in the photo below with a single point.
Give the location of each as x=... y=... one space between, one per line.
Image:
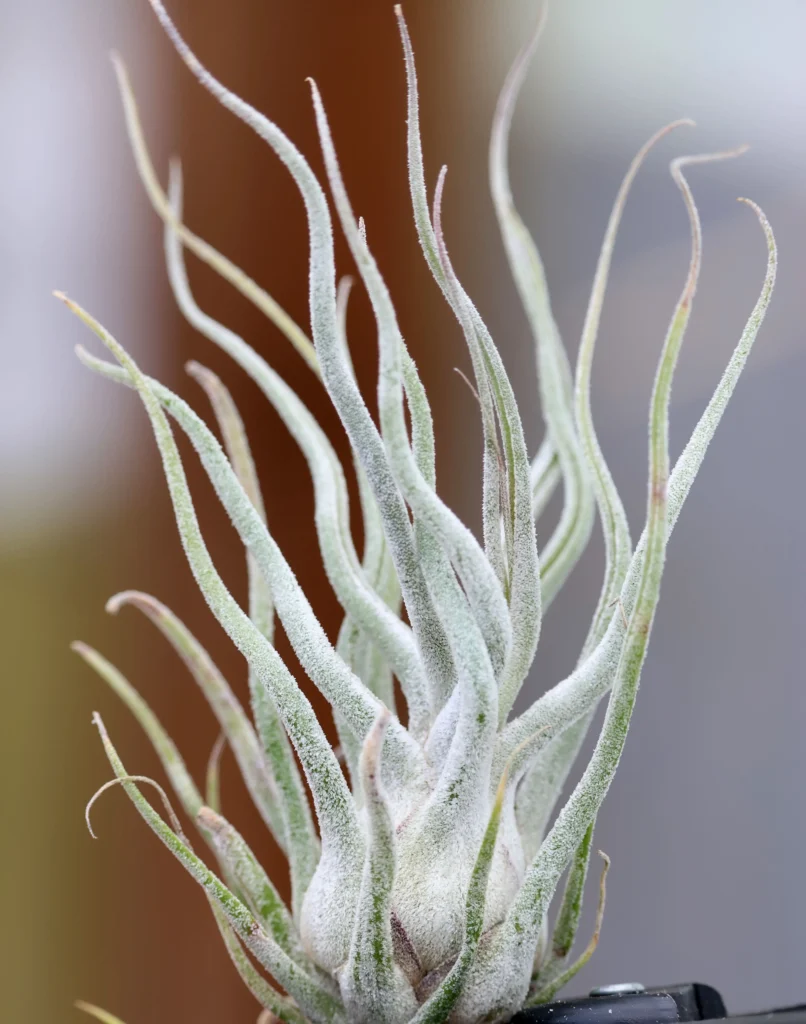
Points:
x=706 y=822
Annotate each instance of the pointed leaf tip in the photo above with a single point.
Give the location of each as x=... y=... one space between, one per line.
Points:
x=97 y=1012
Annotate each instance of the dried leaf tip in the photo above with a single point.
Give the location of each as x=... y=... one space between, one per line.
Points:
x=115 y=782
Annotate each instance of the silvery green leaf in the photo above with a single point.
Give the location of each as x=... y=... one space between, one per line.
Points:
x=281 y=1009
x=592 y=678
x=336 y=373
x=175 y=767
x=493 y=471
x=517 y=940
x=374 y=988
x=355 y=593
x=226 y=707
x=523 y=573
x=316 y=1003
x=212 y=784
x=336 y=682
x=618 y=547
x=253 y=884
x=545 y=475
x=335 y=881
x=205 y=252
x=477 y=576
x=561 y=553
x=437 y=1008
x=546 y=990
x=269 y=770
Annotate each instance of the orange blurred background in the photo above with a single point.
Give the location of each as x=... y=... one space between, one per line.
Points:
x=706 y=821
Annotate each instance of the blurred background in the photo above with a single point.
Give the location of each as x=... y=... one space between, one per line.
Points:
x=706 y=822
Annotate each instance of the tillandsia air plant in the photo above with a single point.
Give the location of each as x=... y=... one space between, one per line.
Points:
x=422 y=876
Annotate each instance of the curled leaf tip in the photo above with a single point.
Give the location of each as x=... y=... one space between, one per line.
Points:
x=706 y=158
x=120 y=781
x=116 y=602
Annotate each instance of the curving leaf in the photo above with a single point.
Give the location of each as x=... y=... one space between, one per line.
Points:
x=338 y=871
x=374 y=988
x=335 y=370
x=355 y=594
x=545 y=992
x=225 y=705
x=582 y=689
x=566 y=544
x=315 y=1002
x=344 y=691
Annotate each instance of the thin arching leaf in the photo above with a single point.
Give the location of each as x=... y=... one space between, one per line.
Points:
x=562 y=551
x=205 y=252
x=225 y=705
x=315 y=1002
x=336 y=373
x=546 y=991
x=519 y=935
x=253 y=885
x=493 y=470
x=172 y=761
x=278 y=1006
x=590 y=681
x=523 y=573
x=236 y=445
x=618 y=547
x=338 y=871
x=355 y=593
x=336 y=682
x=212 y=777
x=545 y=476
x=478 y=579
x=565 y=928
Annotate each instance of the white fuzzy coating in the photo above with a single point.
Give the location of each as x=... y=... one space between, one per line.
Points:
x=318 y=1005
x=578 y=693
x=335 y=882
x=428 y=902
x=374 y=988
x=493 y=470
x=481 y=585
x=356 y=596
x=336 y=373
x=564 y=547
x=332 y=676
x=523 y=571
x=225 y=705
x=545 y=475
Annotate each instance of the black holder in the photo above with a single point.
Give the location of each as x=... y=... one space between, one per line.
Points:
x=633 y=1004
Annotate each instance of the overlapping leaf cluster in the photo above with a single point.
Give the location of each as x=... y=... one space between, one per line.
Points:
x=421 y=878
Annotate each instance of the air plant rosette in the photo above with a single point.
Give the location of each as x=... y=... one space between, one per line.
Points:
x=422 y=875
